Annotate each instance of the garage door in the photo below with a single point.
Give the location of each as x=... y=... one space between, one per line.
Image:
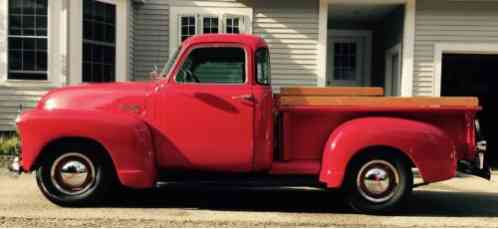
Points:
x=475 y=75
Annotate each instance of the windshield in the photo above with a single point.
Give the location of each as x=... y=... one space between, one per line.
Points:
x=167 y=67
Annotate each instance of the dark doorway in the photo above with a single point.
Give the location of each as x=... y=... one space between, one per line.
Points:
x=475 y=75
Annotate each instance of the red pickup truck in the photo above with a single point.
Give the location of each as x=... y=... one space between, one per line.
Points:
x=211 y=115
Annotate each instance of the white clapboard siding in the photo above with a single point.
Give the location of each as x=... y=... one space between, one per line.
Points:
x=289 y=27
x=131 y=41
x=151 y=28
x=449 y=22
x=26 y=94
x=291 y=30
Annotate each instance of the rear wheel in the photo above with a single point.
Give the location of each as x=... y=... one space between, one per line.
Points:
x=74 y=176
x=378 y=184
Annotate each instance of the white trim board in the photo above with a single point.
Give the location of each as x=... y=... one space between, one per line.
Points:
x=456 y=48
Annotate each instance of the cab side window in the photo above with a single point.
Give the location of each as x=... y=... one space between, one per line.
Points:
x=263 y=66
x=214 y=66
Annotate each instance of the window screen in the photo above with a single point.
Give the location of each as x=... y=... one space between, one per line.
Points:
x=99 y=41
x=213 y=65
x=27 y=39
x=263 y=66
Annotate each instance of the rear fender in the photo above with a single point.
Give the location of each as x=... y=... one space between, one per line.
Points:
x=428 y=147
x=126 y=138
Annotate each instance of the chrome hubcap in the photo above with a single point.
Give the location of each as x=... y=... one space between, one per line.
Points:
x=73 y=173
x=377 y=181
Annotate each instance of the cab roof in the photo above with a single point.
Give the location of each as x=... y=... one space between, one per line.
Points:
x=247 y=40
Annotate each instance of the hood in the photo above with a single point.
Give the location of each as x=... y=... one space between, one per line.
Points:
x=128 y=97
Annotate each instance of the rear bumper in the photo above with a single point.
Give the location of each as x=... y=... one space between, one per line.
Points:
x=480 y=166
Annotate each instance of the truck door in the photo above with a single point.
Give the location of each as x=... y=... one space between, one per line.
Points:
x=207 y=112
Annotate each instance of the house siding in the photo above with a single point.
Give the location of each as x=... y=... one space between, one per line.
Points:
x=151 y=38
x=131 y=41
x=290 y=28
x=26 y=94
x=292 y=32
x=449 y=22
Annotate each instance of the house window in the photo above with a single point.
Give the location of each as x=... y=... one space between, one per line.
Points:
x=232 y=25
x=210 y=24
x=27 y=39
x=99 y=41
x=188 y=27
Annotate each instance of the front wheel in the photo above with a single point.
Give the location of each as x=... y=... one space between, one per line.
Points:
x=74 y=178
x=378 y=184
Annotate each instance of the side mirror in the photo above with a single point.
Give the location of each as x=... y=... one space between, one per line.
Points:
x=154 y=75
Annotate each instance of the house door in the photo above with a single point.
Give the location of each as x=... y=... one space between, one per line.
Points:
x=348 y=60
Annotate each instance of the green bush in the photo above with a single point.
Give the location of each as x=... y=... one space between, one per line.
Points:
x=9 y=144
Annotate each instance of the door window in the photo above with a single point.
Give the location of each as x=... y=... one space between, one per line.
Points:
x=213 y=66
x=345 y=66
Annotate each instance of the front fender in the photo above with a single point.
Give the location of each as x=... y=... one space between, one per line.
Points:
x=126 y=138
x=429 y=148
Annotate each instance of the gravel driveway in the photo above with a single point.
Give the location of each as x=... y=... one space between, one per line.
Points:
x=461 y=202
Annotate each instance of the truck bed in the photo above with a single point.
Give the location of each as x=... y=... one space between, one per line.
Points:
x=305 y=112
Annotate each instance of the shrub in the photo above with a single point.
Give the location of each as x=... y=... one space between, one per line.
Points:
x=9 y=144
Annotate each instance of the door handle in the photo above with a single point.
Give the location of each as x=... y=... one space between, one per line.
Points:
x=247 y=97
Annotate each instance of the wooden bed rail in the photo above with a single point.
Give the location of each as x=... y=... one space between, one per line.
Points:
x=331 y=91
x=365 y=97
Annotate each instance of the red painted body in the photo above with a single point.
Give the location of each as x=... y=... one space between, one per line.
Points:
x=164 y=125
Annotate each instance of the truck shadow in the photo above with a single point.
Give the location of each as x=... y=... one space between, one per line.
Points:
x=421 y=203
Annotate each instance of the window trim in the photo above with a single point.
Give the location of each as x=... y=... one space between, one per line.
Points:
x=216 y=45
x=5 y=76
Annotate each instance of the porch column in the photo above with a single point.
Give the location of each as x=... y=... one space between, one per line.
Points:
x=322 y=43
x=408 y=49
x=75 y=40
